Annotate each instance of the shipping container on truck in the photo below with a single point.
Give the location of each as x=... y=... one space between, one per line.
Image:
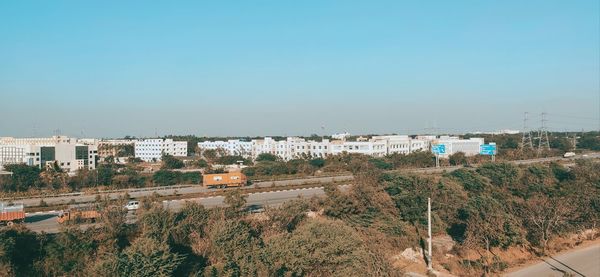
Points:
x=81 y=212
x=225 y=180
x=11 y=213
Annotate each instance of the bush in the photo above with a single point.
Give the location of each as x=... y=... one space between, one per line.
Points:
x=170 y=162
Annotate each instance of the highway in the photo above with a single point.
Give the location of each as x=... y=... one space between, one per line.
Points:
x=46 y=221
x=180 y=190
x=580 y=262
x=194 y=189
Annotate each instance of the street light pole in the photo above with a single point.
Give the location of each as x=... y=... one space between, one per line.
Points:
x=429 y=254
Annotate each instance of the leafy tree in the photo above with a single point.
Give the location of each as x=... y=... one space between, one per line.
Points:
x=226 y=160
x=458 y=158
x=166 y=177
x=201 y=163
x=19 y=249
x=317 y=162
x=544 y=217
x=235 y=200
x=470 y=180
x=589 y=141
x=323 y=248
x=68 y=254
x=381 y=164
x=266 y=157
x=234 y=249
x=509 y=143
x=170 y=162
x=500 y=174
x=288 y=216
x=105 y=173
x=488 y=225
x=23 y=177
x=409 y=194
x=148 y=257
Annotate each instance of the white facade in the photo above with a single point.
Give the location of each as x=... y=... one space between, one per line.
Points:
x=153 y=149
x=68 y=153
x=234 y=147
x=454 y=145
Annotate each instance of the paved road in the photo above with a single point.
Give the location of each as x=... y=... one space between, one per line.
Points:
x=581 y=262
x=191 y=189
x=46 y=221
x=185 y=189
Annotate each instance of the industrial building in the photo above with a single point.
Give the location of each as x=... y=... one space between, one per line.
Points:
x=68 y=153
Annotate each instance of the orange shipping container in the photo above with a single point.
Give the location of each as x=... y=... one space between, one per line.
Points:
x=232 y=179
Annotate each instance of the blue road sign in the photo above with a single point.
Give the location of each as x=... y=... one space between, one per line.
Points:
x=487 y=149
x=438 y=149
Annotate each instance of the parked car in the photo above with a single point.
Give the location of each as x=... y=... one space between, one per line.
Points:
x=132 y=205
x=569 y=155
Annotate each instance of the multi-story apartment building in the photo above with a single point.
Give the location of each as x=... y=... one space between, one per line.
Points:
x=153 y=149
x=233 y=147
x=69 y=154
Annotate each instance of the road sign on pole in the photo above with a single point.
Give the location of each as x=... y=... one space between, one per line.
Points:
x=438 y=149
x=488 y=149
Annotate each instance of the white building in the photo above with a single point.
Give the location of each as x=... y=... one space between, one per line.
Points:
x=377 y=146
x=341 y=136
x=66 y=152
x=153 y=149
x=454 y=145
x=233 y=147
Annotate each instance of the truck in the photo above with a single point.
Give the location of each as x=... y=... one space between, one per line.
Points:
x=79 y=212
x=11 y=213
x=224 y=180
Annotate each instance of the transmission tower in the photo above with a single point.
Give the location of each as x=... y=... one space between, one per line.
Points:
x=526 y=141
x=544 y=142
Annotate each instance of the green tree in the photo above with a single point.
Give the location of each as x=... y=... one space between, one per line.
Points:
x=317 y=162
x=19 y=249
x=105 y=174
x=69 y=253
x=458 y=158
x=23 y=177
x=266 y=157
x=323 y=248
x=170 y=162
x=235 y=200
x=166 y=177
x=148 y=257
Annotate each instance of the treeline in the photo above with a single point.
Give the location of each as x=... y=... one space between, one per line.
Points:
x=353 y=231
x=108 y=175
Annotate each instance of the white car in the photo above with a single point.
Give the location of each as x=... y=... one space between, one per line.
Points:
x=569 y=155
x=132 y=205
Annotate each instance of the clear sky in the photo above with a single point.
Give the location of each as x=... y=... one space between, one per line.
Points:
x=115 y=68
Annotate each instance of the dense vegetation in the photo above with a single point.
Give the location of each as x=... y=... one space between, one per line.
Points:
x=351 y=232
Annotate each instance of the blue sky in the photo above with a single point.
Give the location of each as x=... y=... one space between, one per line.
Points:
x=115 y=68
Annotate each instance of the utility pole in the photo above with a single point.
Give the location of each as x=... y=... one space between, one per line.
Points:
x=526 y=140
x=429 y=254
